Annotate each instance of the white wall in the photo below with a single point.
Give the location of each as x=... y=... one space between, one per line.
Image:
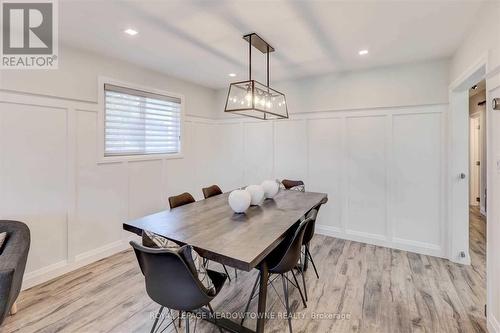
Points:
x=382 y=169
x=493 y=216
x=49 y=177
x=77 y=74
x=482 y=40
x=400 y=85
x=373 y=140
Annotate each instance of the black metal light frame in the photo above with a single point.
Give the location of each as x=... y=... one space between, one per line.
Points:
x=256 y=41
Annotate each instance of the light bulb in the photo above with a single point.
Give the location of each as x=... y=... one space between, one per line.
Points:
x=242 y=102
x=262 y=102
x=248 y=97
x=256 y=100
x=268 y=104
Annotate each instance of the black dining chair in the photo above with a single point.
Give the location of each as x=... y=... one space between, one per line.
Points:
x=212 y=191
x=172 y=281
x=281 y=261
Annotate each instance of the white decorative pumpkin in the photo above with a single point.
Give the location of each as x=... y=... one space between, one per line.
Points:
x=239 y=200
x=271 y=188
x=257 y=194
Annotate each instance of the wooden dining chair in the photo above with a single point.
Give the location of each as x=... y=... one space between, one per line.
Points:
x=281 y=261
x=173 y=282
x=212 y=191
x=297 y=185
x=180 y=200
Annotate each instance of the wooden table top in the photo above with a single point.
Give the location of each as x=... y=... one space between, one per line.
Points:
x=217 y=233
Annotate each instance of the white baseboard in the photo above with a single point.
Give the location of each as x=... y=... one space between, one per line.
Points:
x=50 y=272
x=493 y=324
x=379 y=240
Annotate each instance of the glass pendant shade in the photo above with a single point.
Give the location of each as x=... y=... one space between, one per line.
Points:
x=254 y=99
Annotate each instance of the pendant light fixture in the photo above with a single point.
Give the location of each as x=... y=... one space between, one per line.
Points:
x=251 y=98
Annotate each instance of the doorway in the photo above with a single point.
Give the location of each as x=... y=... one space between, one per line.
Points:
x=477 y=147
x=477 y=179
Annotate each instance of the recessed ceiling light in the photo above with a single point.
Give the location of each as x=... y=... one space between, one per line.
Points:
x=131 y=32
x=232 y=74
x=363 y=52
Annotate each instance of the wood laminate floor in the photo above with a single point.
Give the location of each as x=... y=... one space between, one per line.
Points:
x=362 y=288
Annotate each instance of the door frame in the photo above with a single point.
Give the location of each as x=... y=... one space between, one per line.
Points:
x=457 y=163
x=488 y=68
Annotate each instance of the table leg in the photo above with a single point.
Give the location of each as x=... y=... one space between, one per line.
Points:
x=261 y=310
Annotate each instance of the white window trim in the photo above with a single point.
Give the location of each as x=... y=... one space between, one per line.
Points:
x=101 y=158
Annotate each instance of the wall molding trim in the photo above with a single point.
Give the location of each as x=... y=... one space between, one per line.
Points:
x=396 y=243
x=50 y=272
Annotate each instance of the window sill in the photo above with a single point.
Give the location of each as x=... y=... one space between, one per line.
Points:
x=134 y=158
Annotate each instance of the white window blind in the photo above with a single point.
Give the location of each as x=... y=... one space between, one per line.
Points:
x=140 y=123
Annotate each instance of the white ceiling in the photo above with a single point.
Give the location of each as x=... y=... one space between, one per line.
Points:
x=201 y=41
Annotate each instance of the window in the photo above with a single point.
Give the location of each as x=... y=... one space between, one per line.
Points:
x=140 y=123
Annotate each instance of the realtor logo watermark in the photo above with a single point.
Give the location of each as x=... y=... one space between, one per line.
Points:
x=29 y=34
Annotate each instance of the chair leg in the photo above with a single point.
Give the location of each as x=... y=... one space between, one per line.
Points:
x=212 y=312
x=298 y=287
x=173 y=321
x=225 y=270
x=235 y=273
x=285 y=292
x=180 y=318
x=156 y=319
x=304 y=283
x=250 y=299
x=312 y=261
x=187 y=323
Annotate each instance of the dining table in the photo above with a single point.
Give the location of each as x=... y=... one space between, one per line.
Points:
x=241 y=240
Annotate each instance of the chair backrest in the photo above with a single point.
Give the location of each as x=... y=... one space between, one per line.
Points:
x=211 y=191
x=286 y=255
x=313 y=214
x=180 y=200
x=169 y=280
x=309 y=233
x=288 y=184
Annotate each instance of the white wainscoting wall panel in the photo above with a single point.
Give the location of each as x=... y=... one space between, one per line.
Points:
x=416 y=178
x=33 y=168
x=290 y=146
x=381 y=168
x=258 y=150
x=50 y=178
x=366 y=174
x=325 y=166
